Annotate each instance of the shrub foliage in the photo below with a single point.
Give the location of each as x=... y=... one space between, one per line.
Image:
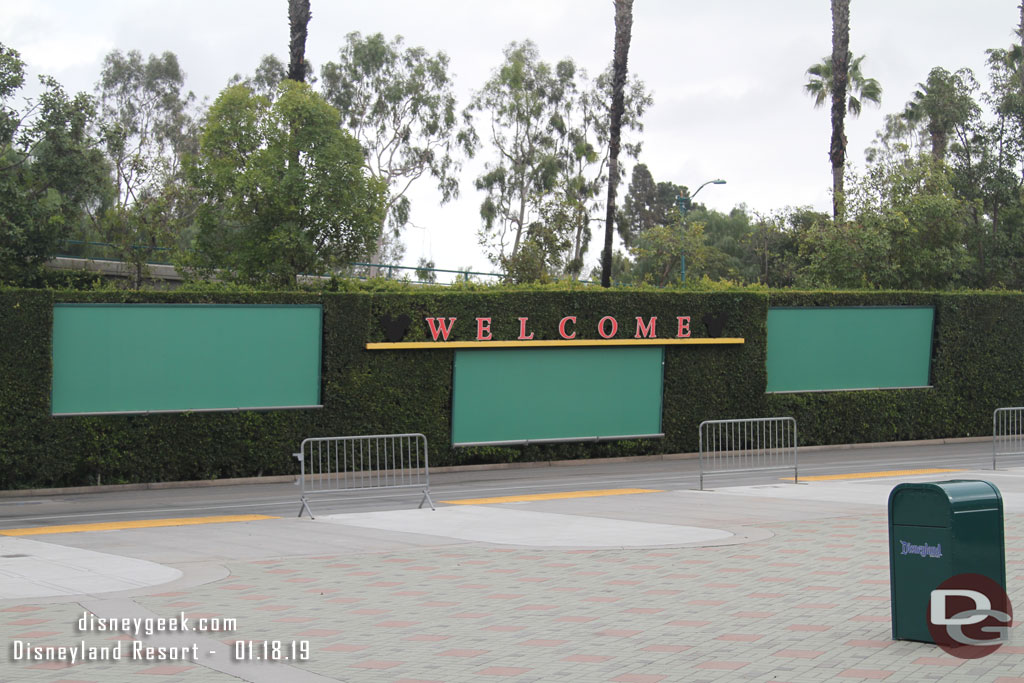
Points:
x=977 y=366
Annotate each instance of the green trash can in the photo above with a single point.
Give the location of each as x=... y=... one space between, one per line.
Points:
x=937 y=531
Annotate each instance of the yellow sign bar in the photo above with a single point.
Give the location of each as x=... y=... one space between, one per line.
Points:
x=534 y=343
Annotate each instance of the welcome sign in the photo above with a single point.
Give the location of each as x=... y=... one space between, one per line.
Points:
x=608 y=331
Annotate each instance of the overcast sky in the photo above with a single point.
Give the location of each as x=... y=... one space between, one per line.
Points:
x=726 y=76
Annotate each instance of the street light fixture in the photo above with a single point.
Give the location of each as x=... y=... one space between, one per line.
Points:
x=684 y=204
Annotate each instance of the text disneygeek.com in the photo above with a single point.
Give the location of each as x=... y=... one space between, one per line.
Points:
x=137 y=650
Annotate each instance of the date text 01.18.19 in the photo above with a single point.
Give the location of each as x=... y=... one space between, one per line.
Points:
x=271 y=650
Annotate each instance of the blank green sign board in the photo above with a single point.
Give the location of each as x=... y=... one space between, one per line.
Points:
x=138 y=358
x=517 y=395
x=832 y=349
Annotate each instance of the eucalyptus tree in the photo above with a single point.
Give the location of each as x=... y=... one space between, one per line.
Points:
x=520 y=99
x=987 y=156
x=265 y=80
x=549 y=137
x=148 y=126
x=399 y=103
x=582 y=130
x=145 y=120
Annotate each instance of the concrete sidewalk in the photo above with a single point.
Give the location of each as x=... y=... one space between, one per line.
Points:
x=764 y=583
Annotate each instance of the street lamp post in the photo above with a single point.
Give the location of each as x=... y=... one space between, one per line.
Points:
x=684 y=204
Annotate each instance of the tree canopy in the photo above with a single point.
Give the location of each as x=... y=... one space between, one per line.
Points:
x=399 y=103
x=53 y=176
x=266 y=217
x=549 y=140
x=275 y=179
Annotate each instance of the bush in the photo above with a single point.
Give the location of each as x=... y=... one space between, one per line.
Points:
x=977 y=365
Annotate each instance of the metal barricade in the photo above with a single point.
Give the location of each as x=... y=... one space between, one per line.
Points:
x=1007 y=433
x=337 y=464
x=766 y=443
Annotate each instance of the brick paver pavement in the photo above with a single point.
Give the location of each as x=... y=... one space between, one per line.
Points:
x=809 y=604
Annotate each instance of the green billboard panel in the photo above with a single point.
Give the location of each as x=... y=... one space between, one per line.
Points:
x=836 y=349
x=139 y=358
x=510 y=396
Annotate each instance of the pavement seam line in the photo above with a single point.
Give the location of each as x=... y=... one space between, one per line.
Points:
x=550 y=496
x=873 y=475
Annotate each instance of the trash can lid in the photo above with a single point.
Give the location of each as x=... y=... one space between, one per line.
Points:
x=935 y=503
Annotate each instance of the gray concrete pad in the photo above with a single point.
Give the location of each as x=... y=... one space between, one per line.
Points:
x=875 y=492
x=34 y=569
x=504 y=525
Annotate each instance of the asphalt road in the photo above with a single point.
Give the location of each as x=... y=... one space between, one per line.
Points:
x=282 y=499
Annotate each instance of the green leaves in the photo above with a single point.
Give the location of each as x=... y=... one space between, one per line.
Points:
x=52 y=176
x=145 y=122
x=283 y=186
x=862 y=89
x=549 y=139
x=400 y=105
x=12 y=72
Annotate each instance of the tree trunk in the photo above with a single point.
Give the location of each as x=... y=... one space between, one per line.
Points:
x=1020 y=35
x=939 y=142
x=378 y=253
x=840 y=76
x=298 y=23
x=623 y=33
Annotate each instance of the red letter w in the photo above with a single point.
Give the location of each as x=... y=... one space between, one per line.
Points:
x=437 y=326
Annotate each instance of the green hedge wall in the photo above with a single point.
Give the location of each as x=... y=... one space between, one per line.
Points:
x=977 y=365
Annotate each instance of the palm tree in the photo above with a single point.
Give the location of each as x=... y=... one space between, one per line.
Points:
x=942 y=104
x=840 y=83
x=861 y=89
x=834 y=75
x=623 y=33
x=298 y=23
x=819 y=85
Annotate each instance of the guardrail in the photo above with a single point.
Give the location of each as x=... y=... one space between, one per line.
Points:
x=1007 y=433
x=338 y=464
x=751 y=445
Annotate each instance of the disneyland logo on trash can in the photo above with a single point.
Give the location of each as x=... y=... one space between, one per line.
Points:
x=922 y=550
x=982 y=610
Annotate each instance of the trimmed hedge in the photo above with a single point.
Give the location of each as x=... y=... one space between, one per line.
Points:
x=977 y=366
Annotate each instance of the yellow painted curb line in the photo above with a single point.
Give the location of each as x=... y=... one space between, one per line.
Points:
x=871 y=475
x=550 y=496
x=132 y=524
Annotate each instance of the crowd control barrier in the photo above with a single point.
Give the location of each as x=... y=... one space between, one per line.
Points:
x=338 y=464
x=753 y=445
x=1007 y=433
